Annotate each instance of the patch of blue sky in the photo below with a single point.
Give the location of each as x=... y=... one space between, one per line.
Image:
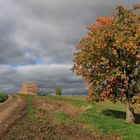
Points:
x=33 y=62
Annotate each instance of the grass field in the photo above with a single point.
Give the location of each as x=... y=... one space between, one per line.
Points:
x=75 y=116
x=107 y=118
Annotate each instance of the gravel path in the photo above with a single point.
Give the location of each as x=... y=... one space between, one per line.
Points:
x=10 y=111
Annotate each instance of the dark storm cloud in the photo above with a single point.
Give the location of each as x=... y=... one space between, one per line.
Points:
x=38 y=38
x=48 y=78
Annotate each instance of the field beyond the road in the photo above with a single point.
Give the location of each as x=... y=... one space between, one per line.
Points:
x=71 y=118
x=3 y=97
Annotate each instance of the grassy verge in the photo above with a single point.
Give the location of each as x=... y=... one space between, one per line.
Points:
x=61 y=117
x=104 y=119
x=30 y=111
x=108 y=118
x=76 y=101
x=3 y=97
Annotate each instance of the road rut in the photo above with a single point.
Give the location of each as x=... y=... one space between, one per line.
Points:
x=10 y=111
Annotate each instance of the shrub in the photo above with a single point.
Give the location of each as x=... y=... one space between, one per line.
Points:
x=3 y=97
x=58 y=91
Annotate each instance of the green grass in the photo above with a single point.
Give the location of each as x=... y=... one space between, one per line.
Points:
x=76 y=101
x=61 y=117
x=107 y=118
x=30 y=116
x=3 y=97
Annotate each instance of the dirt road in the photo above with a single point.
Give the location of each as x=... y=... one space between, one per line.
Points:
x=11 y=110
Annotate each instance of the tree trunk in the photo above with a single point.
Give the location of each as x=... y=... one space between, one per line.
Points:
x=130 y=118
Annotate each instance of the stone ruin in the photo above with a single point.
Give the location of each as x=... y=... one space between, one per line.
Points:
x=29 y=88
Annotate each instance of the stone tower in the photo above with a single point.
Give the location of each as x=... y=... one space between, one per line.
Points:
x=29 y=88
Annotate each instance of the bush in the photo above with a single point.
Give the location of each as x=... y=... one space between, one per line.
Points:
x=58 y=91
x=3 y=97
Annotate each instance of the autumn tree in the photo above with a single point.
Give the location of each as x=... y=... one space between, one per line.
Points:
x=108 y=58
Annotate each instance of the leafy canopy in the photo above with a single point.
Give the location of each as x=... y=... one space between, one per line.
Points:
x=108 y=58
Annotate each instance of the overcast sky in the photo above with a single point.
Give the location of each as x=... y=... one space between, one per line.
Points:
x=38 y=39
